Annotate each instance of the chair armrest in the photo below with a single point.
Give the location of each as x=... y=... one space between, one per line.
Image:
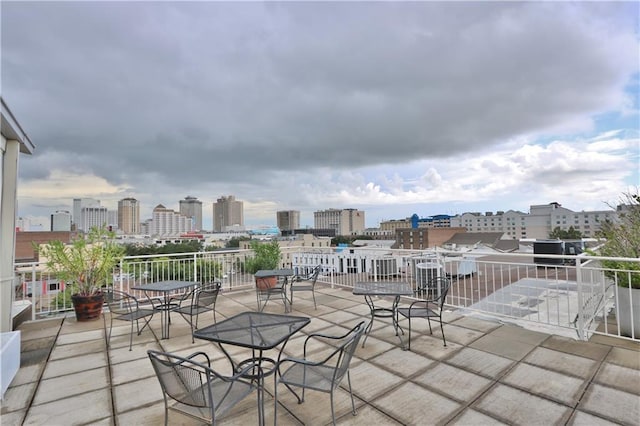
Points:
x=201 y=354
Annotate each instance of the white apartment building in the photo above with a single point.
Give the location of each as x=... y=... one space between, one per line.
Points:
x=78 y=205
x=288 y=220
x=129 y=216
x=343 y=221
x=61 y=221
x=192 y=207
x=166 y=222
x=92 y=216
x=541 y=220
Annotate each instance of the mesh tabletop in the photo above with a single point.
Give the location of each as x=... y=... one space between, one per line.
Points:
x=257 y=330
x=382 y=289
x=273 y=273
x=166 y=286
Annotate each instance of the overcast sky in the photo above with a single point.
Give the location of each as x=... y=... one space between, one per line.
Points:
x=390 y=107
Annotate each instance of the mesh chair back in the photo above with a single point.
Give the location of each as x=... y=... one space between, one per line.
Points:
x=435 y=290
x=120 y=303
x=183 y=380
x=347 y=350
x=206 y=295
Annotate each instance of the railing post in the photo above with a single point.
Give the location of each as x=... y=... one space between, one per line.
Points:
x=195 y=267
x=580 y=324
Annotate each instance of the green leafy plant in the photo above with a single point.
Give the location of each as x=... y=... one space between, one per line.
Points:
x=622 y=239
x=266 y=256
x=86 y=264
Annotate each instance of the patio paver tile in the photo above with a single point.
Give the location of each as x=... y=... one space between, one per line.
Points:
x=433 y=347
x=75 y=364
x=611 y=403
x=75 y=349
x=562 y=362
x=471 y=417
x=580 y=418
x=624 y=357
x=539 y=381
x=86 y=408
x=518 y=407
x=454 y=382
x=590 y=350
x=503 y=346
x=413 y=405
x=369 y=381
x=480 y=362
x=68 y=385
x=408 y=364
x=130 y=371
x=137 y=393
x=476 y=324
x=622 y=378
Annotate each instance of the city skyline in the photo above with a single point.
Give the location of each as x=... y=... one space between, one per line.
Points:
x=392 y=108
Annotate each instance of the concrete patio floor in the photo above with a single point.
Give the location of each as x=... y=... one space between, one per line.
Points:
x=489 y=373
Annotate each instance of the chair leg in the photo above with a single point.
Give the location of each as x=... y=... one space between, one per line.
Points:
x=313 y=293
x=429 y=321
x=409 y=333
x=131 y=336
x=442 y=330
x=353 y=404
x=333 y=414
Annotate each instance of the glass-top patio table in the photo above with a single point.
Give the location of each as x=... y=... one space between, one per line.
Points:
x=370 y=289
x=258 y=331
x=166 y=288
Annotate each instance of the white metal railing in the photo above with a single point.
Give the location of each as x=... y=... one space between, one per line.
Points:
x=576 y=294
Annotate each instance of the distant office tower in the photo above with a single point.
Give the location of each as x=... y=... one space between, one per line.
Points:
x=227 y=212
x=166 y=222
x=288 y=220
x=92 y=216
x=61 y=221
x=344 y=221
x=192 y=207
x=129 y=216
x=78 y=205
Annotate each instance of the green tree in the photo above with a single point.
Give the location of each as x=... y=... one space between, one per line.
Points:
x=235 y=242
x=622 y=239
x=565 y=234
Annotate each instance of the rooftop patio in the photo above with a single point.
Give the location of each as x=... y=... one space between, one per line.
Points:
x=489 y=373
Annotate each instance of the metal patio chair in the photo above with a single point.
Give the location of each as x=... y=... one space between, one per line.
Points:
x=430 y=305
x=305 y=283
x=323 y=376
x=191 y=387
x=268 y=288
x=200 y=300
x=125 y=307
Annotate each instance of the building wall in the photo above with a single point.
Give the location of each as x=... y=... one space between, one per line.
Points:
x=345 y=221
x=287 y=220
x=25 y=241
x=166 y=222
x=93 y=216
x=61 y=221
x=78 y=205
x=227 y=214
x=192 y=207
x=541 y=220
x=129 y=216
x=424 y=238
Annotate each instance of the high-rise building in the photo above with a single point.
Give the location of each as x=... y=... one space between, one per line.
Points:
x=92 y=216
x=78 y=205
x=129 y=216
x=227 y=212
x=166 y=222
x=344 y=221
x=61 y=221
x=288 y=220
x=192 y=207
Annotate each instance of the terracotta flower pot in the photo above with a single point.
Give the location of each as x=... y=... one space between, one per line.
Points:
x=265 y=283
x=87 y=308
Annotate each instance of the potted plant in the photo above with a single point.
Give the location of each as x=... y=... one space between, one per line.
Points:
x=266 y=256
x=85 y=266
x=622 y=239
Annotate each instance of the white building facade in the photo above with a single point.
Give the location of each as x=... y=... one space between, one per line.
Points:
x=78 y=205
x=61 y=221
x=167 y=222
x=344 y=221
x=541 y=220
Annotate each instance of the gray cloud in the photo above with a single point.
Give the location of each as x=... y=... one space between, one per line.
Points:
x=217 y=95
